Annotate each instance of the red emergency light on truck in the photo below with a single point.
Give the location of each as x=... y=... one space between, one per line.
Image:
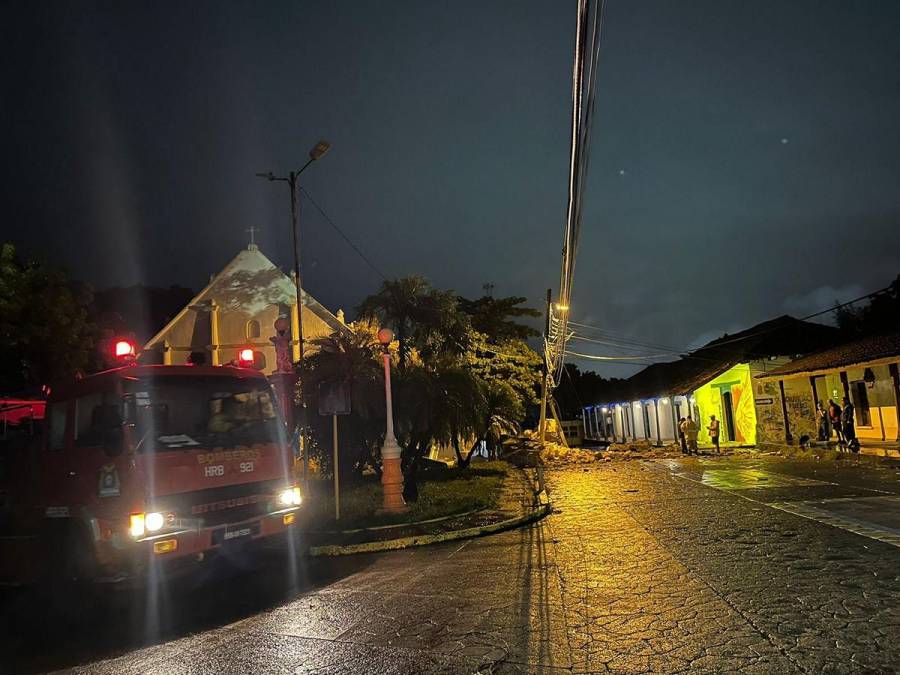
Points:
x=147 y=464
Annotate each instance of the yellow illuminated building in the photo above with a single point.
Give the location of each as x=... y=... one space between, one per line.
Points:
x=730 y=398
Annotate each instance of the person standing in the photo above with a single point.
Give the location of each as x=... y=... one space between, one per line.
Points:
x=681 y=437
x=691 y=429
x=847 y=427
x=713 y=430
x=822 y=421
x=834 y=416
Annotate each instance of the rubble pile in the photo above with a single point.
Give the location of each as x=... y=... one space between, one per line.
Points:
x=553 y=453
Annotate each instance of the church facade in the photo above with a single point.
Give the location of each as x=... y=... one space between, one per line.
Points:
x=237 y=310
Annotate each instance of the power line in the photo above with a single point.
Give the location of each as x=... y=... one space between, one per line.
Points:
x=621 y=337
x=632 y=357
x=688 y=353
x=584 y=81
x=623 y=345
x=614 y=363
x=645 y=346
x=341 y=232
x=849 y=302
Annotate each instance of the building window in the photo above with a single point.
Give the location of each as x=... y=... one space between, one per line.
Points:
x=57 y=417
x=252 y=329
x=860 y=398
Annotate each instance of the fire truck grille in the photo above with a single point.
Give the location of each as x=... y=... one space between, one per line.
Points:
x=219 y=506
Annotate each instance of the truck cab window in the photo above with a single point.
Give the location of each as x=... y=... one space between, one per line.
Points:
x=95 y=415
x=174 y=412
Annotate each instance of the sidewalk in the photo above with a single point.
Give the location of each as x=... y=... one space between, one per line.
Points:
x=872 y=451
x=889 y=449
x=519 y=503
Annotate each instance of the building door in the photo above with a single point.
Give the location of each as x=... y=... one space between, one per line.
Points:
x=728 y=412
x=860 y=398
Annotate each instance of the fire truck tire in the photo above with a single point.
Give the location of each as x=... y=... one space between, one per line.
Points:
x=69 y=554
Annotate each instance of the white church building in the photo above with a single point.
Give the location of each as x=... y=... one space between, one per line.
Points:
x=237 y=310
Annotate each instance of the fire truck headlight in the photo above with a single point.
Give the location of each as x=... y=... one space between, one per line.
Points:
x=154 y=521
x=290 y=497
x=136 y=525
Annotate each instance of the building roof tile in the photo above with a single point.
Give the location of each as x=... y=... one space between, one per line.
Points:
x=858 y=352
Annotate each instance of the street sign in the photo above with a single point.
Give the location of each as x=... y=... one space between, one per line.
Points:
x=334 y=398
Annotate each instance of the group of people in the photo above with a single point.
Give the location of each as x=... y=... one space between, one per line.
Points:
x=837 y=419
x=688 y=430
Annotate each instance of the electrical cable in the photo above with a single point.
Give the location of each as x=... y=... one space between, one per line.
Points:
x=717 y=346
x=619 y=345
x=632 y=357
x=584 y=71
x=345 y=237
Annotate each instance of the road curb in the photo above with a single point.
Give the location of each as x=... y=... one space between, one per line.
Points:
x=542 y=509
x=426 y=539
x=392 y=526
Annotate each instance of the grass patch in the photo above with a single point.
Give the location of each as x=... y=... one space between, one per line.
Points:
x=443 y=491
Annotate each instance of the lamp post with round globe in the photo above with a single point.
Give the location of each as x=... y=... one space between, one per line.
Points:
x=391 y=475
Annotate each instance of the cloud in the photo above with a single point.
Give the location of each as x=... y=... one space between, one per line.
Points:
x=711 y=335
x=818 y=299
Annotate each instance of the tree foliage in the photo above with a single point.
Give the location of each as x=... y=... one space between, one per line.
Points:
x=46 y=332
x=352 y=358
x=420 y=315
x=512 y=362
x=496 y=317
x=881 y=314
x=465 y=371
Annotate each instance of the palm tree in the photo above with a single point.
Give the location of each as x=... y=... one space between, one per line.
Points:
x=442 y=404
x=353 y=358
x=421 y=316
x=398 y=304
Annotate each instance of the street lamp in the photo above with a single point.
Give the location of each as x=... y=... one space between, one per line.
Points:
x=317 y=152
x=391 y=475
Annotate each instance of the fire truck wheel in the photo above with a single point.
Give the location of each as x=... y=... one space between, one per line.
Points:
x=69 y=556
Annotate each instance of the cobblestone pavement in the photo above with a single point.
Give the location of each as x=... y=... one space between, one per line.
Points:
x=657 y=566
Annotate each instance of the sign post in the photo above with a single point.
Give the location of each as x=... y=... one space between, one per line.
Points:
x=337 y=480
x=334 y=400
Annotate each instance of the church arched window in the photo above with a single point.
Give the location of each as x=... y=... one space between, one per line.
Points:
x=252 y=329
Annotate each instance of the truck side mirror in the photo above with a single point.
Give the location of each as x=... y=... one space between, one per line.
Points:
x=113 y=441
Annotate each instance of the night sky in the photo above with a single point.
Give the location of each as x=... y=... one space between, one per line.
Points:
x=746 y=156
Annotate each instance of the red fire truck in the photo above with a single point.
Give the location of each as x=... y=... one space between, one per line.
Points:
x=144 y=467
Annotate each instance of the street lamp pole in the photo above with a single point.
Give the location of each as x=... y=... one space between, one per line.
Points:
x=391 y=475
x=317 y=152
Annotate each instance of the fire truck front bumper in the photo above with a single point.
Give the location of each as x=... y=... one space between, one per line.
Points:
x=178 y=551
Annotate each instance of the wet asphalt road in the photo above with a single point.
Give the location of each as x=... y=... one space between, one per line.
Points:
x=750 y=564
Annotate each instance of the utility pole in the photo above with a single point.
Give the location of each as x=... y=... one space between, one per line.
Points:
x=317 y=152
x=304 y=441
x=542 y=427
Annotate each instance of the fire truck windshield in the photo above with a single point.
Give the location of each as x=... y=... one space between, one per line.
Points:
x=173 y=412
